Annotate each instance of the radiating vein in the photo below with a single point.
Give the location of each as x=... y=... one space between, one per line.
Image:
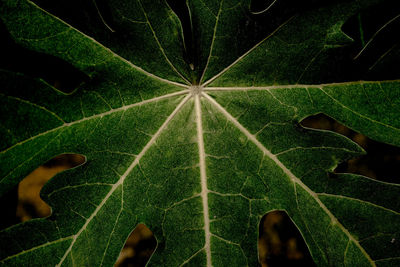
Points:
x=292 y=177
x=160 y=46
x=123 y=177
x=260 y=88
x=151 y=75
x=291 y=86
x=100 y=115
x=245 y=54
x=212 y=40
x=203 y=176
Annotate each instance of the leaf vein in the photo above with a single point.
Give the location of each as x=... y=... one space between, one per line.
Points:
x=123 y=177
x=294 y=179
x=100 y=115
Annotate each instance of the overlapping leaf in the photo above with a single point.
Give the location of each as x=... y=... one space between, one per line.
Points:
x=199 y=164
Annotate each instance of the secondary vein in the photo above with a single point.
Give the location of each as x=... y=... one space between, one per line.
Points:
x=155 y=99
x=293 y=86
x=151 y=75
x=212 y=40
x=123 y=177
x=292 y=177
x=35 y=248
x=160 y=46
x=248 y=52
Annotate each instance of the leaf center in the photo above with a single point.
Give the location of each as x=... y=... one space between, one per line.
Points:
x=196 y=89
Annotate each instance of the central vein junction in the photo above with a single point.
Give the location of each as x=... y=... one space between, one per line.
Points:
x=196 y=89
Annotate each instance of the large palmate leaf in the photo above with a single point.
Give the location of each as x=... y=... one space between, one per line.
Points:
x=195 y=131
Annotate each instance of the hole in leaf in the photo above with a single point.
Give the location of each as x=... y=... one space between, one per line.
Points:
x=138 y=248
x=382 y=161
x=56 y=72
x=23 y=202
x=30 y=205
x=280 y=242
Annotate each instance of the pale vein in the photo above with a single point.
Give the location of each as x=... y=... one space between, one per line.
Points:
x=203 y=176
x=159 y=44
x=123 y=177
x=212 y=40
x=245 y=54
x=292 y=177
x=101 y=115
x=110 y=51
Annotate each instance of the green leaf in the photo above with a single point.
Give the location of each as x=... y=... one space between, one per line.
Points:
x=198 y=154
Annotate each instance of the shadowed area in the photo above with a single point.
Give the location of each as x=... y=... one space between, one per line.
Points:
x=376 y=41
x=56 y=72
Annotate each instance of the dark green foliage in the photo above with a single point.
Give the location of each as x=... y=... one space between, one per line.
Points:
x=195 y=130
